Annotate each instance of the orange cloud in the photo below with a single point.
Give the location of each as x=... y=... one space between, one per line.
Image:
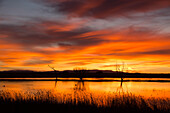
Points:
x=88 y=33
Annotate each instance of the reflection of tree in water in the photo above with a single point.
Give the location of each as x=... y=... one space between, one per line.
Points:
x=80 y=86
x=120 y=88
x=55 y=84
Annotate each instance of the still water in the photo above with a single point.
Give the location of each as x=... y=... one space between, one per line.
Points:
x=142 y=88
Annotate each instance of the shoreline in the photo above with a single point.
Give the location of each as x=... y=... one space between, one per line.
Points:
x=85 y=80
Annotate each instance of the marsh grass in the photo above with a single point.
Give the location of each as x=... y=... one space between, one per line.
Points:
x=48 y=101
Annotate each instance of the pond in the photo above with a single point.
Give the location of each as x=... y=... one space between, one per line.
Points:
x=138 y=87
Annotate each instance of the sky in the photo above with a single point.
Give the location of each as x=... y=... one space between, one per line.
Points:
x=92 y=34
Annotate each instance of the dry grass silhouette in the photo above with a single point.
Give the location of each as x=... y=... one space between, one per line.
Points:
x=49 y=101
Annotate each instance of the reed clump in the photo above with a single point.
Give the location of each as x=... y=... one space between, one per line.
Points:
x=48 y=101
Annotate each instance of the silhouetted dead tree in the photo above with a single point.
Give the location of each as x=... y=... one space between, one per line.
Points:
x=120 y=70
x=80 y=72
x=54 y=70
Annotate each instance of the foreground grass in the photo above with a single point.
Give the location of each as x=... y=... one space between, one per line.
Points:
x=46 y=101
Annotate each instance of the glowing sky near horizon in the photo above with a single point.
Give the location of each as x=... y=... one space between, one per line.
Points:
x=85 y=33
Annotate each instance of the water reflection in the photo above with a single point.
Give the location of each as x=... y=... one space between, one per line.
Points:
x=55 y=84
x=120 y=89
x=79 y=86
x=146 y=89
x=98 y=93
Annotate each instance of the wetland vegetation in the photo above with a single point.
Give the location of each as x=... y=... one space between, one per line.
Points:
x=46 y=101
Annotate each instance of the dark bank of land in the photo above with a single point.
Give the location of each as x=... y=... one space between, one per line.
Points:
x=72 y=74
